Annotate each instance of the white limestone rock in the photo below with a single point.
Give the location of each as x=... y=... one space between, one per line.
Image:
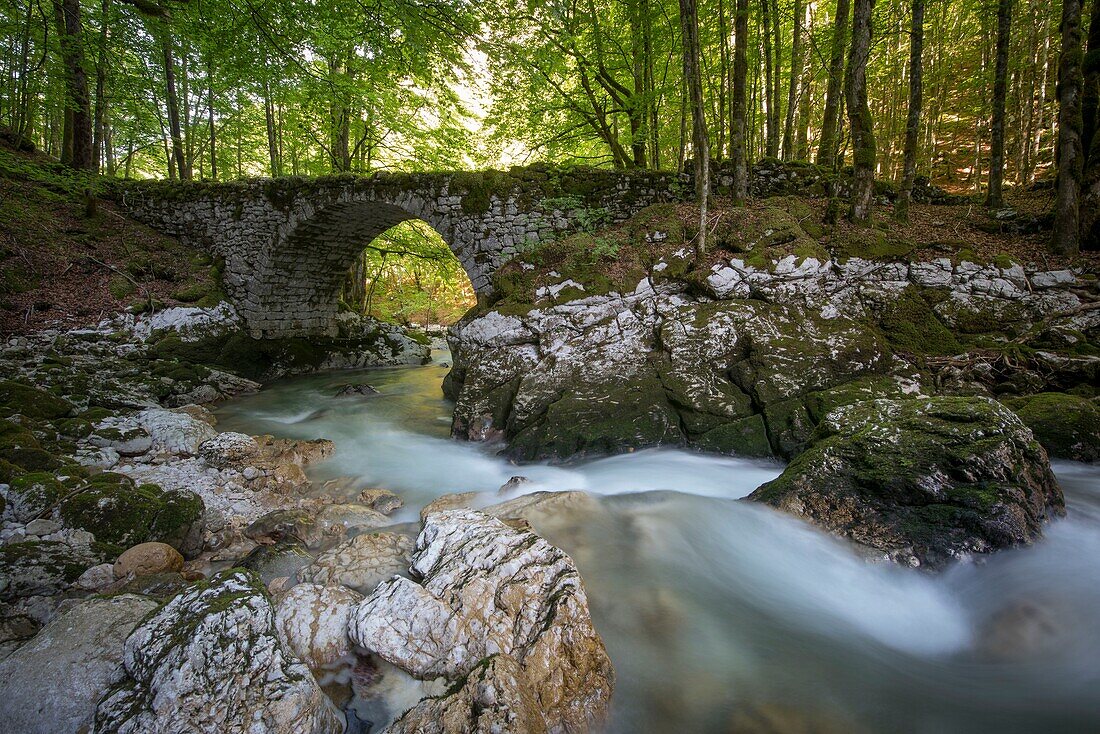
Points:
x=361 y=563
x=52 y=683
x=192 y=323
x=229 y=449
x=488 y=589
x=154 y=431
x=313 y=619
x=212 y=660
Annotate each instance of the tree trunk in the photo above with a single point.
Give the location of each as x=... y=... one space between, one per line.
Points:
x=639 y=111
x=738 y=142
x=993 y=198
x=100 y=114
x=210 y=119
x=78 y=105
x=1090 y=199
x=912 y=121
x=1090 y=97
x=859 y=114
x=794 y=81
x=771 y=117
x=174 y=129
x=1070 y=154
x=272 y=133
x=830 y=123
x=689 y=24
x=340 y=118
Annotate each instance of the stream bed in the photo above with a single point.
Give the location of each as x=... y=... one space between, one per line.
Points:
x=724 y=616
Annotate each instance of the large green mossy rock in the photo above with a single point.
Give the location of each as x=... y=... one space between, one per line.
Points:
x=20 y=448
x=1068 y=426
x=922 y=481
x=599 y=421
x=17 y=398
x=121 y=513
x=742 y=437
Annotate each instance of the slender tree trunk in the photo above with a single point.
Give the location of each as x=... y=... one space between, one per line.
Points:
x=174 y=129
x=859 y=114
x=638 y=112
x=272 y=133
x=340 y=131
x=100 y=113
x=912 y=121
x=771 y=99
x=1066 y=238
x=1090 y=199
x=210 y=119
x=738 y=142
x=794 y=81
x=689 y=24
x=78 y=105
x=994 y=198
x=830 y=123
x=777 y=76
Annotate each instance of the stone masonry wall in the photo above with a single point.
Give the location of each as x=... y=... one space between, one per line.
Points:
x=287 y=243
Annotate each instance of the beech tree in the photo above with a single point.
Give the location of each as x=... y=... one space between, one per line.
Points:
x=994 y=199
x=738 y=126
x=1090 y=195
x=689 y=27
x=830 y=121
x=76 y=150
x=1066 y=237
x=859 y=113
x=912 y=120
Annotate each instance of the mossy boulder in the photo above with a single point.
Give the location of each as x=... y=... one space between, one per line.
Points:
x=120 y=512
x=911 y=326
x=599 y=420
x=33 y=495
x=822 y=402
x=870 y=244
x=17 y=398
x=36 y=568
x=1068 y=426
x=772 y=228
x=742 y=437
x=22 y=449
x=922 y=481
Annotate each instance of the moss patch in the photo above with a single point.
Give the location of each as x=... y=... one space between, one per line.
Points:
x=1066 y=425
x=910 y=325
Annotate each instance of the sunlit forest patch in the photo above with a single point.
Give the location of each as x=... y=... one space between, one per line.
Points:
x=409 y=275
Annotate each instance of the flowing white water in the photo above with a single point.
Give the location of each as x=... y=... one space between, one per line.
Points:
x=720 y=615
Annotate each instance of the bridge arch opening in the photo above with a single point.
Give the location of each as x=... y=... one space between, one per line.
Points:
x=304 y=278
x=408 y=275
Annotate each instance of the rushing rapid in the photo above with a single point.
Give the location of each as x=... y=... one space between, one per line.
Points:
x=729 y=617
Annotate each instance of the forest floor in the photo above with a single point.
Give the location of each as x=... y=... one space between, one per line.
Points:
x=61 y=266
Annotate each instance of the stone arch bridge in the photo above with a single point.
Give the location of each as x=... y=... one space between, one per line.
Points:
x=288 y=242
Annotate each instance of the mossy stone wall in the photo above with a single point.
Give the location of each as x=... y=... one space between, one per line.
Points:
x=288 y=242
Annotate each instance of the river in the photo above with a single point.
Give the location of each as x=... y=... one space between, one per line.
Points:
x=725 y=616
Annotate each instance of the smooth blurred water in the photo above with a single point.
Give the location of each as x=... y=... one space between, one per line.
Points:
x=728 y=617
